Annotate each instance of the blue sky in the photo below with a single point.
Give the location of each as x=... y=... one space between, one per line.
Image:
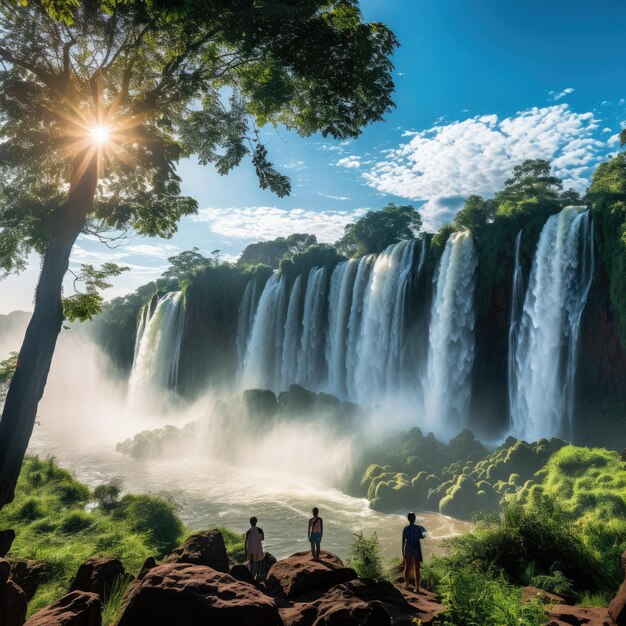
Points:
x=480 y=86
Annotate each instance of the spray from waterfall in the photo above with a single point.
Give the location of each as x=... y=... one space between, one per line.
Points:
x=517 y=301
x=447 y=383
x=546 y=352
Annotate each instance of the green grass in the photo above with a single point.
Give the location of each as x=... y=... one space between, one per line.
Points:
x=57 y=521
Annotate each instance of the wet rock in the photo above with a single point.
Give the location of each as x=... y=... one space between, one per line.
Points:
x=196 y=595
x=6 y=541
x=617 y=608
x=298 y=575
x=12 y=604
x=77 y=608
x=97 y=575
x=204 y=548
x=28 y=575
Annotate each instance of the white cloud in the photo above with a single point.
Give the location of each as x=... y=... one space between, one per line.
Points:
x=476 y=156
x=294 y=165
x=349 y=162
x=557 y=95
x=606 y=130
x=160 y=251
x=326 y=195
x=622 y=101
x=258 y=223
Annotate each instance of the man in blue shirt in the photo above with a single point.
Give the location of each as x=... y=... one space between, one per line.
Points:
x=412 y=551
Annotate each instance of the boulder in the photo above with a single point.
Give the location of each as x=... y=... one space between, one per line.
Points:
x=5 y=572
x=204 y=548
x=12 y=604
x=617 y=608
x=562 y=615
x=195 y=595
x=242 y=573
x=545 y=597
x=6 y=541
x=28 y=575
x=298 y=575
x=358 y=602
x=97 y=575
x=77 y=608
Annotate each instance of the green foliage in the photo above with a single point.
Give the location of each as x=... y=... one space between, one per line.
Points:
x=7 y=368
x=114 y=603
x=154 y=517
x=377 y=230
x=74 y=522
x=607 y=194
x=272 y=252
x=364 y=557
x=83 y=305
x=185 y=265
x=314 y=256
x=474 y=598
x=107 y=495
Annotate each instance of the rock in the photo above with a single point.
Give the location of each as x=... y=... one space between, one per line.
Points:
x=562 y=615
x=12 y=605
x=374 y=603
x=298 y=575
x=5 y=572
x=77 y=608
x=6 y=541
x=97 y=575
x=28 y=575
x=242 y=573
x=196 y=595
x=204 y=548
x=534 y=593
x=266 y=564
x=148 y=564
x=617 y=608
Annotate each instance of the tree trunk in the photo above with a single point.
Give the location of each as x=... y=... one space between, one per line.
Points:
x=29 y=380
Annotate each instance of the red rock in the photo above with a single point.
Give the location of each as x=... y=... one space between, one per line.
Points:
x=375 y=603
x=12 y=604
x=148 y=564
x=77 y=608
x=578 y=616
x=98 y=575
x=5 y=572
x=196 y=595
x=617 y=608
x=6 y=540
x=242 y=573
x=298 y=575
x=28 y=575
x=204 y=548
x=534 y=593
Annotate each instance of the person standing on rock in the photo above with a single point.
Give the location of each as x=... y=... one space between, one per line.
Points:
x=253 y=546
x=316 y=530
x=412 y=551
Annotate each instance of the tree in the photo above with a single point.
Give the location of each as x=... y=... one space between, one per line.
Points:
x=185 y=265
x=99 y=99
x=532 y=178
x=622 y=137
x=378 y=229
x=272 y=252
x=475 y=214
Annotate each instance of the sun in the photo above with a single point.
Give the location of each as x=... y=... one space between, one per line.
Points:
x=100 y=134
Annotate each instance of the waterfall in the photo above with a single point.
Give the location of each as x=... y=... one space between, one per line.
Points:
x=311 y=356
x=517 y=300
x=245 y=319
x=447 y=384
x=293 y=331
x=262 y=363
x=546 y=352
x=157 y=347
x=380 y=344
x=339 y=305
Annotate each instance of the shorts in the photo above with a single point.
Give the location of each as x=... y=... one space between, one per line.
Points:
x=315 y=540
x=255 y=556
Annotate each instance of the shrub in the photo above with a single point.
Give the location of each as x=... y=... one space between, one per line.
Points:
x=30 y=510
x=365 y=558
x=107 y=495
x=154 y=516
x=75 y=522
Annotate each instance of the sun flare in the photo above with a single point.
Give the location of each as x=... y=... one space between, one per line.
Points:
x=100 y=134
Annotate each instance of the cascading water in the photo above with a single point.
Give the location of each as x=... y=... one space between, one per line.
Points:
x=545 y=355
x=245 y=321
x=293 y=332
x=447 y=385
x=157 y=348
x=380 y=345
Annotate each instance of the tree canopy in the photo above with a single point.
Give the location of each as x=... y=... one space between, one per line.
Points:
x=272 y=252
x=377 y=230
x=185 y=265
